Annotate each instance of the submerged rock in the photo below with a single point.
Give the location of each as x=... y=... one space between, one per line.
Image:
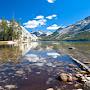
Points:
x=20 y=72
x=87 y=78
x=78 y=85
x=50 y=89
x=72 y=65
x=1 y=88
x=66 y=77
x=10 y=87
x=87 y=83
x=83 y=72
x=78 y=75
x=49 y=80
x=70 y=78
x=63 y=77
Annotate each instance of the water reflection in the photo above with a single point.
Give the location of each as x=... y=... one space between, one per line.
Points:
x=14 y=52
x=34 y=66
x=9 y=52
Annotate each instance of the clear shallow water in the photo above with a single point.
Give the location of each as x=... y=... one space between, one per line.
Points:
x=35 y=66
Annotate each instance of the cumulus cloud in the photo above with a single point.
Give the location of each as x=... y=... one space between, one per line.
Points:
x=35 y=23
x=53 y=27
x=31 y=24
x=51 y=16
x=51 y=1
x=38 y=21
x=39 y=17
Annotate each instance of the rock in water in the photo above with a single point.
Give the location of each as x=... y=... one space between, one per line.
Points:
x=70 y=78
x=10 y=87
x=50 y=89
x=88 y=78
x=1 y=88
x=78 y=85
x=87 y=83
x=64 y=77
x=74 y=78
x=19 y=72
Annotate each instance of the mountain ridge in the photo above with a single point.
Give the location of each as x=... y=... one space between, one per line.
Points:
x=78 y=31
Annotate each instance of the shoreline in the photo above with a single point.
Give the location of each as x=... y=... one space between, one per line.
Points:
x=7 y=42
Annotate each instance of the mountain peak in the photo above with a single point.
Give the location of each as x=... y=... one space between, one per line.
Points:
x=87 y=18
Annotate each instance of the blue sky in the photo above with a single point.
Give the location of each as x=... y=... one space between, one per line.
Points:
x=46 y=15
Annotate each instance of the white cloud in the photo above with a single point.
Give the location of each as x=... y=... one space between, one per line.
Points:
x=51 y=16
x=53 y=27
x=34 y=23
x=31 y=24
x=51 y=1
x=39 y=17
x=38 y=21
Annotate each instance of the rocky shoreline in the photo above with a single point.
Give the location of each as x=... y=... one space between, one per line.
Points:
x=11 y=75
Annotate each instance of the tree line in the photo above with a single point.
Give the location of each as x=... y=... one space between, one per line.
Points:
x=9 y=30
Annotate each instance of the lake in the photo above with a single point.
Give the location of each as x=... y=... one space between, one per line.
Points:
x=36 y=65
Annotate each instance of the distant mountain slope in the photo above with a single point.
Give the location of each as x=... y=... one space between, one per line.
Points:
x=41 y=33
x=78 y=31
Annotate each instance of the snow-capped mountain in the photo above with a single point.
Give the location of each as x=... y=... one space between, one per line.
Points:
x=41 y=33
x=78 y=31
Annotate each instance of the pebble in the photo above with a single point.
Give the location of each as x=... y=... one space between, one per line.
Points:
x=19 y=72
x=78 y=75
x=49 y=80
x=74 y=78
x=1 y=88
x=70 y=83
x=83 y=72
x=58 y=89
x=87 y=83
x=71 y=65
x=38 y=72
x=10 y=87
x=50 y=89
x=88 y=78
x=70 y=78
x=78 y=85
x=64 y=77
